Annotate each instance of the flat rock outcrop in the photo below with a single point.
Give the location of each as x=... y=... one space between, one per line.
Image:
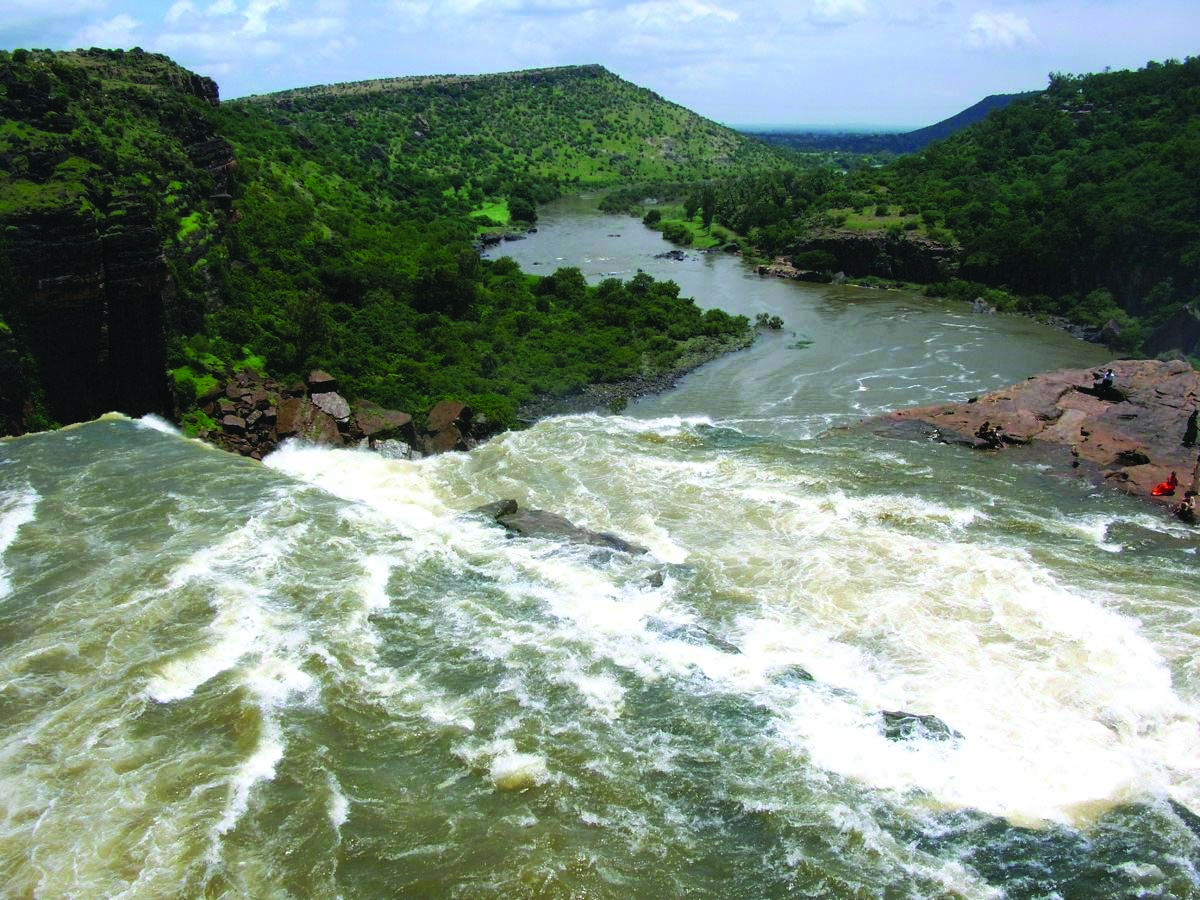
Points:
x=1130 y=437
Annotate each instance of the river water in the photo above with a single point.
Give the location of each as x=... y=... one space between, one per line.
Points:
x=320 y=677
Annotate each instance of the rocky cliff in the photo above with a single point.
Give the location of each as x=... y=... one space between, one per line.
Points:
x=88 y=223
x=906 y=257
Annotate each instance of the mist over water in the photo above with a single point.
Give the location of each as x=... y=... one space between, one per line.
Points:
x=322 y=676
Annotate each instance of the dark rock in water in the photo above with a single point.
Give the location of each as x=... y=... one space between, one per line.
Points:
x=696 y=635
x=1189 y=818
x=656 y=579
x=496 y=510
x=677 y=255
x=792 y=676
x=905 y=726
x=539 y=523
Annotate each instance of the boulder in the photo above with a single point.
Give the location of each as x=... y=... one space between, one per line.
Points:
x=323 y=429
x=792 y=676
x=332 y=404
x=290 y=418
x=378 y=423
x=541 y=524
x=321 y=383
x=234 y=424
x=448 y=427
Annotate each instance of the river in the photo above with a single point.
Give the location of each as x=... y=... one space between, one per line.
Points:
x=321 y=677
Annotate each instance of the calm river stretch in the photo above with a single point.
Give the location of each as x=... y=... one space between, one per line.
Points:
x=319 y=677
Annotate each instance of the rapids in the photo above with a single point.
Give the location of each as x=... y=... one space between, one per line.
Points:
x=321 y=676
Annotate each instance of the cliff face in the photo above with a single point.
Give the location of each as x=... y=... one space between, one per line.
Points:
x=89 y=297
x=86 y=234
x=901 y=258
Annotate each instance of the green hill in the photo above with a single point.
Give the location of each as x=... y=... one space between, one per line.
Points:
x=578 y=124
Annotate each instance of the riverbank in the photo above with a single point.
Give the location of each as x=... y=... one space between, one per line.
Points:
x=615 y=396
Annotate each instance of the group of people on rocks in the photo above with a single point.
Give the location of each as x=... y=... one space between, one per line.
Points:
x=1185 y=509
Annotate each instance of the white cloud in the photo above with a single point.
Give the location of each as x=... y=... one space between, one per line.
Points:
x=119 y=31
x=1002 y=31
x=179 y=9
x=221 y=8
x=256 y=14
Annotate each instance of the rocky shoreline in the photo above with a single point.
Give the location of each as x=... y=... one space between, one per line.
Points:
x=254 y=414
x=1129 y=437
x=616 y=395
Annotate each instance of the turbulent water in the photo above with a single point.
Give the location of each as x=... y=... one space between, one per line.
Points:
x=322 y=676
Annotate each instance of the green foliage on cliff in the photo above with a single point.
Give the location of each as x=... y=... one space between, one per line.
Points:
x=84 y=130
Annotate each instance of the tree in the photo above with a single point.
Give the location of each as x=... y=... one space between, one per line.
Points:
x=520 y=209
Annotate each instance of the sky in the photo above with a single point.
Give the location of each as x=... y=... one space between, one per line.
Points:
x=888 y=63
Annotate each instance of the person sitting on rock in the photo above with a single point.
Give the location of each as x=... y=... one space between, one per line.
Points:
x=1186 y=508
x=991 y=434
x=1189 y=432
x=1165 y=488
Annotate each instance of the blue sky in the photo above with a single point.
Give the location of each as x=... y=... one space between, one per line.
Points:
x=897 y=63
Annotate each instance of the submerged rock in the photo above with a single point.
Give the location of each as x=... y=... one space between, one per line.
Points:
x=539 y=523
x=792 y=676
x=898 y=725
x=690 y=633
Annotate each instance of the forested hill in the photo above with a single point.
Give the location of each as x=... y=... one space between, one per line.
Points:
x=578 y=124
x=153 y=241
x=902 y=142
x=1082 y=201
x=1086 y=199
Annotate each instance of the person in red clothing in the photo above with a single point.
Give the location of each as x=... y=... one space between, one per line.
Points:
x=1165 y=488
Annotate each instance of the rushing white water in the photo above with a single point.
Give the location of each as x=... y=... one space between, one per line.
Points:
x=324 y=676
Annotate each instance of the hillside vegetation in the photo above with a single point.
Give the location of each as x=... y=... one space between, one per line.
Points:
x=573 y=124
x=338 y=230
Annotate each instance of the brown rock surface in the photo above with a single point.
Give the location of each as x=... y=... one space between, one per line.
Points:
x=1064 y=421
